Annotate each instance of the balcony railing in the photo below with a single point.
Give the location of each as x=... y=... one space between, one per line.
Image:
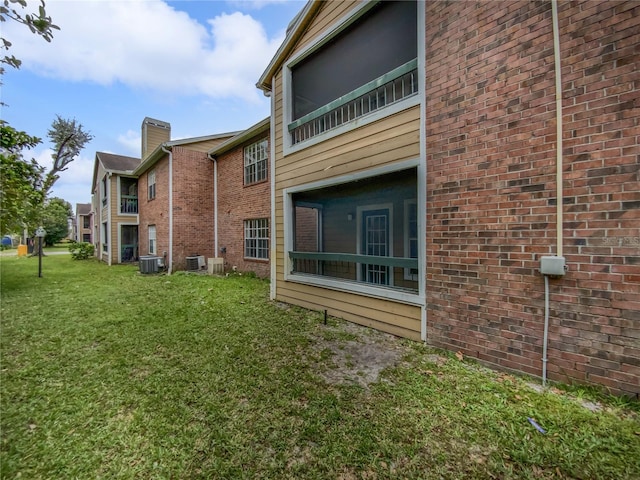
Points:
x=128 y=204
x=390 y=88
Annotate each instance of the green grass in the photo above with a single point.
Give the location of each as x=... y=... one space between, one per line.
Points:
x=107 y=373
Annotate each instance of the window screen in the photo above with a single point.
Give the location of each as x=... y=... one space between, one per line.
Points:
x=381 y=40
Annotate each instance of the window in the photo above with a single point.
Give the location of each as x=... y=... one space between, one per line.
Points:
x=151 y=184
x=86 y=237
x=340 y=235
x=370 y=64
x=104 y=237
x=103 y=190
x=255 y=162
x=152 y=239
x=85 y=221
x=256 y=238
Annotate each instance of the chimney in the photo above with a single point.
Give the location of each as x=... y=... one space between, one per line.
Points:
x=154 y=133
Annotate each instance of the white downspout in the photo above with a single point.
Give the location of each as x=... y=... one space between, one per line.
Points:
x=170 y=258
x=559 y=179
x=272 y=172
x=109 y=236
x=422 y=174
x=215 y=205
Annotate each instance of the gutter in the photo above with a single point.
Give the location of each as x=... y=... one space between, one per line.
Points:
x=170 y=258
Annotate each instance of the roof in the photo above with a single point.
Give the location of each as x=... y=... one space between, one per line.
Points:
x=118 y=163
x=113 y=164
x=159 y=151
x=83 y=208
x=296 y=29
x=260 y=127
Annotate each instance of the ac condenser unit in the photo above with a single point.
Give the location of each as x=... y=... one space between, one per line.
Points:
x=149 y=264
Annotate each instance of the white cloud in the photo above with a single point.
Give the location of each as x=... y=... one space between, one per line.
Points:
x=148 y=45
x=74 y=184
x=132 y=141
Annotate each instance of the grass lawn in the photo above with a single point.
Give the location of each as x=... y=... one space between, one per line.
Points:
x=106 y=373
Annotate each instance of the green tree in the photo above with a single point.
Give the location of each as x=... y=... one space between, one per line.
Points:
x=55 y=220
x=39 y=23
x=21 y=181
x=25 y=185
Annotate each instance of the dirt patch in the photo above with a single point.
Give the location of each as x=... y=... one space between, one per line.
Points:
x=352 y=354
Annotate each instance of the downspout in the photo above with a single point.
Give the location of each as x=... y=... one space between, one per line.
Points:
x=559 y=179
x=422 y=173
x=215 y=203
x=272 y=174
x=109 y=236
x=170 y=258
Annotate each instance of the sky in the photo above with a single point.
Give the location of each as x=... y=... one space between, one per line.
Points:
x=192 y=63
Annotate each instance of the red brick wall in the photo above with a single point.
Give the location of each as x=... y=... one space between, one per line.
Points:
x=154 y=212
x=491 y=188
x=193 y=214
x=237 y=203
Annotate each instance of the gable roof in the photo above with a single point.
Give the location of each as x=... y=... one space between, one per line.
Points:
x=83 y=208
x=160 y=152
x=112 y=163
x=296 y=29
x=260 y=127
x=117 y=163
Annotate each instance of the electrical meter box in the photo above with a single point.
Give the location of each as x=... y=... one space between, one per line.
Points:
x=553 y=266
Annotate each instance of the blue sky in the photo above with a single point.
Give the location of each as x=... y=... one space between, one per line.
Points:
x=191 y=63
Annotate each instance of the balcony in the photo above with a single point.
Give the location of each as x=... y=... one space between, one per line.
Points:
x=375 y=95
x=128 y=204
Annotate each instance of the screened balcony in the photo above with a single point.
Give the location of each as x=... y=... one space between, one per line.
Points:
x=363 y=233
x=128 y=195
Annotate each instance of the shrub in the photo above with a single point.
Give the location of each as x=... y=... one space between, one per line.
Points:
x=81 y=250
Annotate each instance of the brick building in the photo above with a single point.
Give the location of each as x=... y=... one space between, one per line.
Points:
x=461 y=144
x=176 y=195
x=243 y=206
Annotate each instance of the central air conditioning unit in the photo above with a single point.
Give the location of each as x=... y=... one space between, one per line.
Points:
x=196 y=263
x=149 y=264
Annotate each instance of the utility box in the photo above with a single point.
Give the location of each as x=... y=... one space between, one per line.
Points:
x=553 y=266
x=216 y=266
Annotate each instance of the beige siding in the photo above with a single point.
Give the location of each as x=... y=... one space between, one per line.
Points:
x=206 y=145
x=387 y=141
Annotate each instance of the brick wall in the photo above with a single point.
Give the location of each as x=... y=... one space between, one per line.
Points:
x=491 y=188
x=237 y=203
x=193 y=215
x=156 y=211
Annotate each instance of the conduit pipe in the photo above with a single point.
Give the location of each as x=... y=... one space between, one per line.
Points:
x=559 y=179
x=170 y=261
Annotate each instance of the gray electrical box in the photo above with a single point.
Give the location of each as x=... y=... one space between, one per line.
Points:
x=553 y=266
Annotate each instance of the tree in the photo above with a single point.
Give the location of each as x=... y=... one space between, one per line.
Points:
x=68 y=138
x=25 y=186
x=55 y=220
x=39 y=24
x=20 y=181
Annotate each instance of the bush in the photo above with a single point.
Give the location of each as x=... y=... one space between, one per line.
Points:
x=81 y=250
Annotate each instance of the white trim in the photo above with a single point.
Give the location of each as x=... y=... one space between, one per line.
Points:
x=119 y=196
x=359 y=211
x=338 y=27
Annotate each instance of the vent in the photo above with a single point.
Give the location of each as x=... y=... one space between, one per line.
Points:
x=149 y=264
